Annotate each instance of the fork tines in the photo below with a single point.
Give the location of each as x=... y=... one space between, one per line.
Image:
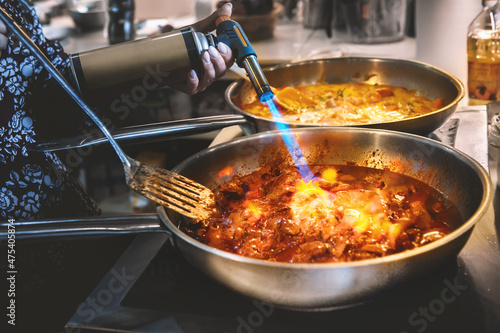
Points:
x=178 y=193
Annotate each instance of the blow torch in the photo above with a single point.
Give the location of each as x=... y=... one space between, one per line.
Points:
x=161 y=60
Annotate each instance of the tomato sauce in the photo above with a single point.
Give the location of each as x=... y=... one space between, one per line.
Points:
x=346 y=213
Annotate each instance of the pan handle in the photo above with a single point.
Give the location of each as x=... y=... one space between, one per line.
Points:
x=82 y=226
x=146 y=133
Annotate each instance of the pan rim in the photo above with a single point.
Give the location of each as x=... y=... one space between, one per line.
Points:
x=484 y=205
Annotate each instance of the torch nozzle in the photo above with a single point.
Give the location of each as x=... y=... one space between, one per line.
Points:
x=256 y=76
x=231 y=33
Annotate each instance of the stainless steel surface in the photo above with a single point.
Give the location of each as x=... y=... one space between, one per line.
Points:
x=144 y=133
x=322 y=286
x=423 y=78
x=471 y=132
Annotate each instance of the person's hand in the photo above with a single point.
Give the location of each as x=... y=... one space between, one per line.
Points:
x=215 y=61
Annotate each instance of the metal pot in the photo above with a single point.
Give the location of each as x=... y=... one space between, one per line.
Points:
x=309 y=287
x=425 y=79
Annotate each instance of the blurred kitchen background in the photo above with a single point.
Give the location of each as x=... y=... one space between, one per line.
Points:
x=281 y=31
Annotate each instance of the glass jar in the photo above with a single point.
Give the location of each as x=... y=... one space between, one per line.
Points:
x=483 y=55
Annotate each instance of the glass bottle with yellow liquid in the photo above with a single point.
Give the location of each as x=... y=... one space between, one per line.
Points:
x=483 y=54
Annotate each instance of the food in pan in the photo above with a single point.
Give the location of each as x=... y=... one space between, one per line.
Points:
x=344 y=104
x=346 y=213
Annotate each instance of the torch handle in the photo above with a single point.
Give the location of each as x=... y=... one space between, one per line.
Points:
x=230 y=33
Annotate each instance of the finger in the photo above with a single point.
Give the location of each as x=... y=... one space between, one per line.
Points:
x=217 y=61
x=226 y=54
x=208 y=24
x=225 y=10
x=209 y=74
x=190 y=85
x=3 y=28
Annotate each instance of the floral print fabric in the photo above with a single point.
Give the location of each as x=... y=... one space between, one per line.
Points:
x=33 y=184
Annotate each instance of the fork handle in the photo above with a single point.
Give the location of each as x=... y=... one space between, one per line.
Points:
x=9 y=22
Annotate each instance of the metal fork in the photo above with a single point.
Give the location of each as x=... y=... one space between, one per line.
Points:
x=167 y=188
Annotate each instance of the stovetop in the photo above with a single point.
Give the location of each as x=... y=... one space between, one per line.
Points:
x=152 y=289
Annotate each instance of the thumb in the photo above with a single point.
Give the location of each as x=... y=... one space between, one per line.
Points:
x=208 y=24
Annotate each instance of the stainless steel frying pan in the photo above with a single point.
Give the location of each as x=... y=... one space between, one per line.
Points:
x=425 y=79
x=321 y=286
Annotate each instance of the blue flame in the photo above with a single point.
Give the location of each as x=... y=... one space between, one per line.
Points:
x=291 y=143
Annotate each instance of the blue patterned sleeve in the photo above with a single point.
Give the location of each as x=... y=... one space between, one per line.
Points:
x=33 y=107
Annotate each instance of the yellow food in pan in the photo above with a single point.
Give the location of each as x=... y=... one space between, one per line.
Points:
x=345 y=104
